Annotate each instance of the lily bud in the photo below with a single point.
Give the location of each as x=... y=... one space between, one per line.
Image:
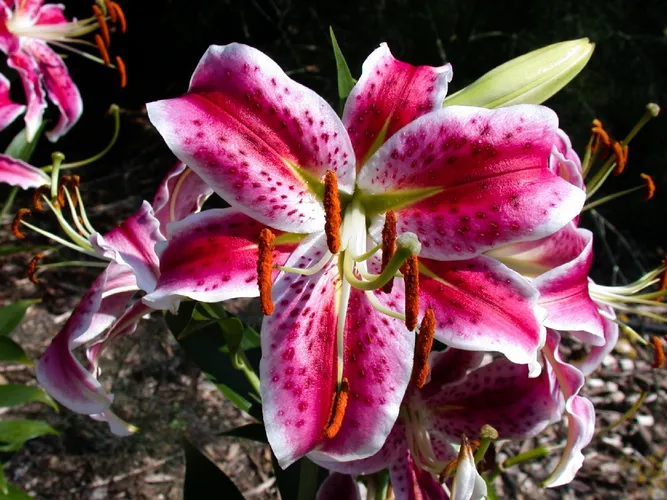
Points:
x=529 y=79
x=468 y=483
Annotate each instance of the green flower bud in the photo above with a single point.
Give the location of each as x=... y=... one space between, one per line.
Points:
x=529 y=79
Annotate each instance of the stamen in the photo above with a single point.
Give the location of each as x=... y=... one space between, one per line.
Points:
x=388 y=245
x=61 y=195
x=423 y=346
x=123 y=72
x=411 y=278
x=119 y=15
x=338 y=406
x=37 y=197
x=621 y=157
x=103 y=50
x=17 y=221
x=332 y=211
x=32 y=268
x=265 y=269
x=599 y=136
x=104 y=27
x=658 y=353
x=650 y=186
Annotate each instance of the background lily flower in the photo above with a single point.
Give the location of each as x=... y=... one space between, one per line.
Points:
x=103 y=313
x=463 y=180
x=18 y=173
x=27 y=27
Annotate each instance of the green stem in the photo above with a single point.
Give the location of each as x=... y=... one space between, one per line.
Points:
x=539 y=452
x=481 y=451
x=307 y=480
x=241 y=363
x=625 y=417
x=382 y=485
x=9 y=202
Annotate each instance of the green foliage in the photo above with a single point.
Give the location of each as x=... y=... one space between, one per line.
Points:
x=11 y=352
x=345 y=80
x=17 y=394
x=203 y=479
x=14 y=433
x=12 y=314
x=213 y=339
x=254 y=432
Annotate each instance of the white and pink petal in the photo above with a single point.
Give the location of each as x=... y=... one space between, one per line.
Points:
x=18 y=173
x=30 y=74
x=9 y=110
x=251 y=133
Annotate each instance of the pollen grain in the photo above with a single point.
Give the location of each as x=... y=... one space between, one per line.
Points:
x=411 y=277
x=332 y=211
x=265 y=269
x=423 y=346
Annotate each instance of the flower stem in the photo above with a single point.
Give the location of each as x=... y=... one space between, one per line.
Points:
x=539 y=452
x=9 y=202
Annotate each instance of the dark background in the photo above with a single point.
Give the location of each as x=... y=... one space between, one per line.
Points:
x=166 y=38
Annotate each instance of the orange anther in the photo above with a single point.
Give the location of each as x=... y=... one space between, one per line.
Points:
x=32 y=268
x=388 y=245
x=103 y=50
x=37 y=197
x=111 y=12
x=332 y=212
x=104 y=27
x=17 y=221
x=411 y=278
x=621 y=157
x=658 y=353
x=119 y=16
x=650 y=186
x=599 y=136
x=338 y=406
x=123 y=72
x=265 y=269
x=423 y=346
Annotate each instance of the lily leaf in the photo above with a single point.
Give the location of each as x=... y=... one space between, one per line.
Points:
x=18 y=394
x=11 y=352
x=204 y=479
x=14 y=493
x=20 y=148
x=14 y=433
x=345 y=80
x=254 y=432
x=12 y=314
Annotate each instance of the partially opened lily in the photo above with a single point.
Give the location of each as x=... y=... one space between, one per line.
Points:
x=460 y=398
x=110 y=309
x=27 y=28
x=444 y=184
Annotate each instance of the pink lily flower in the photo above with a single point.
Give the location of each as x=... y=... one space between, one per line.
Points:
x=459 y=399
x=459 y=180
x=9 y=111
x=109 y=309
x=19 y=173
x=27 y=28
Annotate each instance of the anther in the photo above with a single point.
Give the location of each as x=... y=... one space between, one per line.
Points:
x=265 y=270
x=110 y=11
x=61 y=195
x=17 y=222
x=338 y=406
x=658 y=353
x=332 y=212
x=650 y=186
x=118 y=15
x=423 y=346
x=120 y=64
x=104 y=27
x=37 y=197
x=103 y=50
x=32 y=268
x=621 y=157
x=388 y=245
x=599 y=135
x=411 y=278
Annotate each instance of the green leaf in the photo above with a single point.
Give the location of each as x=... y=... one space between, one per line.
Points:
x=4 y=487
x=207 y=347
x=203 y=479
x=232 y=329
x=345 y=80
x=18 y=394
x=12 y=314
x=11 y=352
x=288 y=480
x=13 y=433
x=14 y=493
x=254 y=432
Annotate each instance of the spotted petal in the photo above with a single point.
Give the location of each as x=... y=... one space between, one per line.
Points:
x=58 y=371
x=181 y=193
x=338 y=487
x=29 y=71
x=256 y=136
x=565 y=161
x=18 y=173
x=210 y=257
x=481 y=305
x=9 y=110
x=389 y=95
x=132 y=244
x=51 y=13
x=59 y=86
x=481 y=176
x=500 y=394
